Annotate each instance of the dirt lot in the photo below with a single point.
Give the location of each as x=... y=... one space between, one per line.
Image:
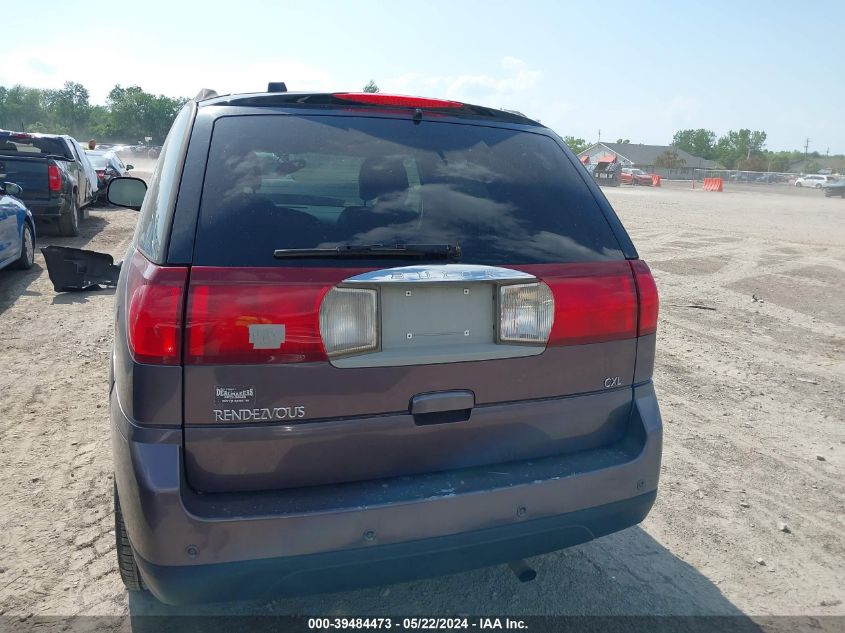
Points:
x=751 y=394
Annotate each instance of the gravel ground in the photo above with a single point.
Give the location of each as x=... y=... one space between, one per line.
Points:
x=750 y=374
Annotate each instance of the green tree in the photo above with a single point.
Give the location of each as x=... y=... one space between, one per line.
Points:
x=68 y=108
x=135 y=114
x=577 y=145
x=371 y=86
x=21 y=108
x=700 y=143
x=735 y=146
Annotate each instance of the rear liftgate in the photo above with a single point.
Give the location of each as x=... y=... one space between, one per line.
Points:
x=309 y=376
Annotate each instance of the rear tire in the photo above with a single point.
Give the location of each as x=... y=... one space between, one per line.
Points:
x=27 y=258
x=818 y=186
x=69 y=222
x=129 y=573
x=798 y=184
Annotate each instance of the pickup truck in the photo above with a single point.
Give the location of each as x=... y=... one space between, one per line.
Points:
x=55 y=176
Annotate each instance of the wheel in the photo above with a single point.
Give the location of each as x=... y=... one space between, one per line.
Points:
x=798 y=184
x=819 y=186
x=69 y=222
x=129 y=573
x=27 y=258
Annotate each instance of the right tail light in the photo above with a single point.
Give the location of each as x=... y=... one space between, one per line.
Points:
x=647 y=298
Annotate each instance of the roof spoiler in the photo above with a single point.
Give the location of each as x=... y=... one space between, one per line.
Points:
x=277 y=86
x=205 y=93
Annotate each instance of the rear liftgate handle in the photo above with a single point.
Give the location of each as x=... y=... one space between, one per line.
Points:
x=442 y=407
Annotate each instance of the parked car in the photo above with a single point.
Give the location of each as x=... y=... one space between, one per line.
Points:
x=107 y=165
x=634 y=176
x=605 y=171
x=816 y=181
x=57 y=180
x=836 y=188
x=17 y=229
x=430 y=349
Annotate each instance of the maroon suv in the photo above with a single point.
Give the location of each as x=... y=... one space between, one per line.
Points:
x=362 y=338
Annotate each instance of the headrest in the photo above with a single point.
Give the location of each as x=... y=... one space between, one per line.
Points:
x=380 y=176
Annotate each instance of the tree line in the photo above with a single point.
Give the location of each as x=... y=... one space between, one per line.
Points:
x=743 y=150
x=130 y=115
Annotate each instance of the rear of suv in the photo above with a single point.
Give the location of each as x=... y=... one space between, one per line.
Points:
x=367 y=338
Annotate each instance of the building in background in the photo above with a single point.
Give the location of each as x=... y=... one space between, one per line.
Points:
x=664 y=160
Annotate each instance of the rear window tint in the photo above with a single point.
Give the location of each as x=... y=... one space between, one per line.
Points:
x=505 y=196
x=34 y=146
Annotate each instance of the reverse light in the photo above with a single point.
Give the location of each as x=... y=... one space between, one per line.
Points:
x=348 y=321
x=402 y=101
x=526 y=313
x=54 y=178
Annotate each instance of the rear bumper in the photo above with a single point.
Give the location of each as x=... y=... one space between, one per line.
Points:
x=194 y=547
x=50 y=210
x=387 y=564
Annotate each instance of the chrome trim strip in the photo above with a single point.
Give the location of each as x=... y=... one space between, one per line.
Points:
x=428 y=273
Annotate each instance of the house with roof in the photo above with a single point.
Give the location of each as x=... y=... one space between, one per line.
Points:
x=820 y=164
x=645 y=157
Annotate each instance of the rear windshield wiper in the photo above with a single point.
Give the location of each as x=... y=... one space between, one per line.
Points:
x=374 y=251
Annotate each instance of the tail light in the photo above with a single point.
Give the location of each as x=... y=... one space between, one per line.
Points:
x=154 y=301
x=290 y=315
x=526 y=312
x=349 y=321
x=647 y=298
x=256 y=315
x=54 y=178
x=593 y=302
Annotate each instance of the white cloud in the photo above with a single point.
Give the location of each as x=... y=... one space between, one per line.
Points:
x=177 y=75
x=516 y=78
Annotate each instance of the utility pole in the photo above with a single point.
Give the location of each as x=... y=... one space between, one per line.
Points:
x=806 y=147
x=599 y=135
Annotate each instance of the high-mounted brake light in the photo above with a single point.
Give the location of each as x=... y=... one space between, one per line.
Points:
x=154 y=296
x=402 y=101
x=648 y=299
x=53 y=178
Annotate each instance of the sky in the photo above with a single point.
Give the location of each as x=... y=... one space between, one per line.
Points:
x=635 y=70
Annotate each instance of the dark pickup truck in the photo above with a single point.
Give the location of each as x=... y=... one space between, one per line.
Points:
x=53 y=172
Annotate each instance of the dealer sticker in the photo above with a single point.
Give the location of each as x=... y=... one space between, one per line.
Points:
x=234 y=394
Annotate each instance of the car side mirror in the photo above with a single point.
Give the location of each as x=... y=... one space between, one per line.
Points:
x=128 y=167
x=12 y=189
x=126 y=191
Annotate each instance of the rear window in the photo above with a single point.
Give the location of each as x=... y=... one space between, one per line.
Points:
x=98 y=161
x=504 y=196
x=34 y=146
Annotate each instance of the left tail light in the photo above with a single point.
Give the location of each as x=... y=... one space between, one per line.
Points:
x=154 y=300
x=54 y=179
